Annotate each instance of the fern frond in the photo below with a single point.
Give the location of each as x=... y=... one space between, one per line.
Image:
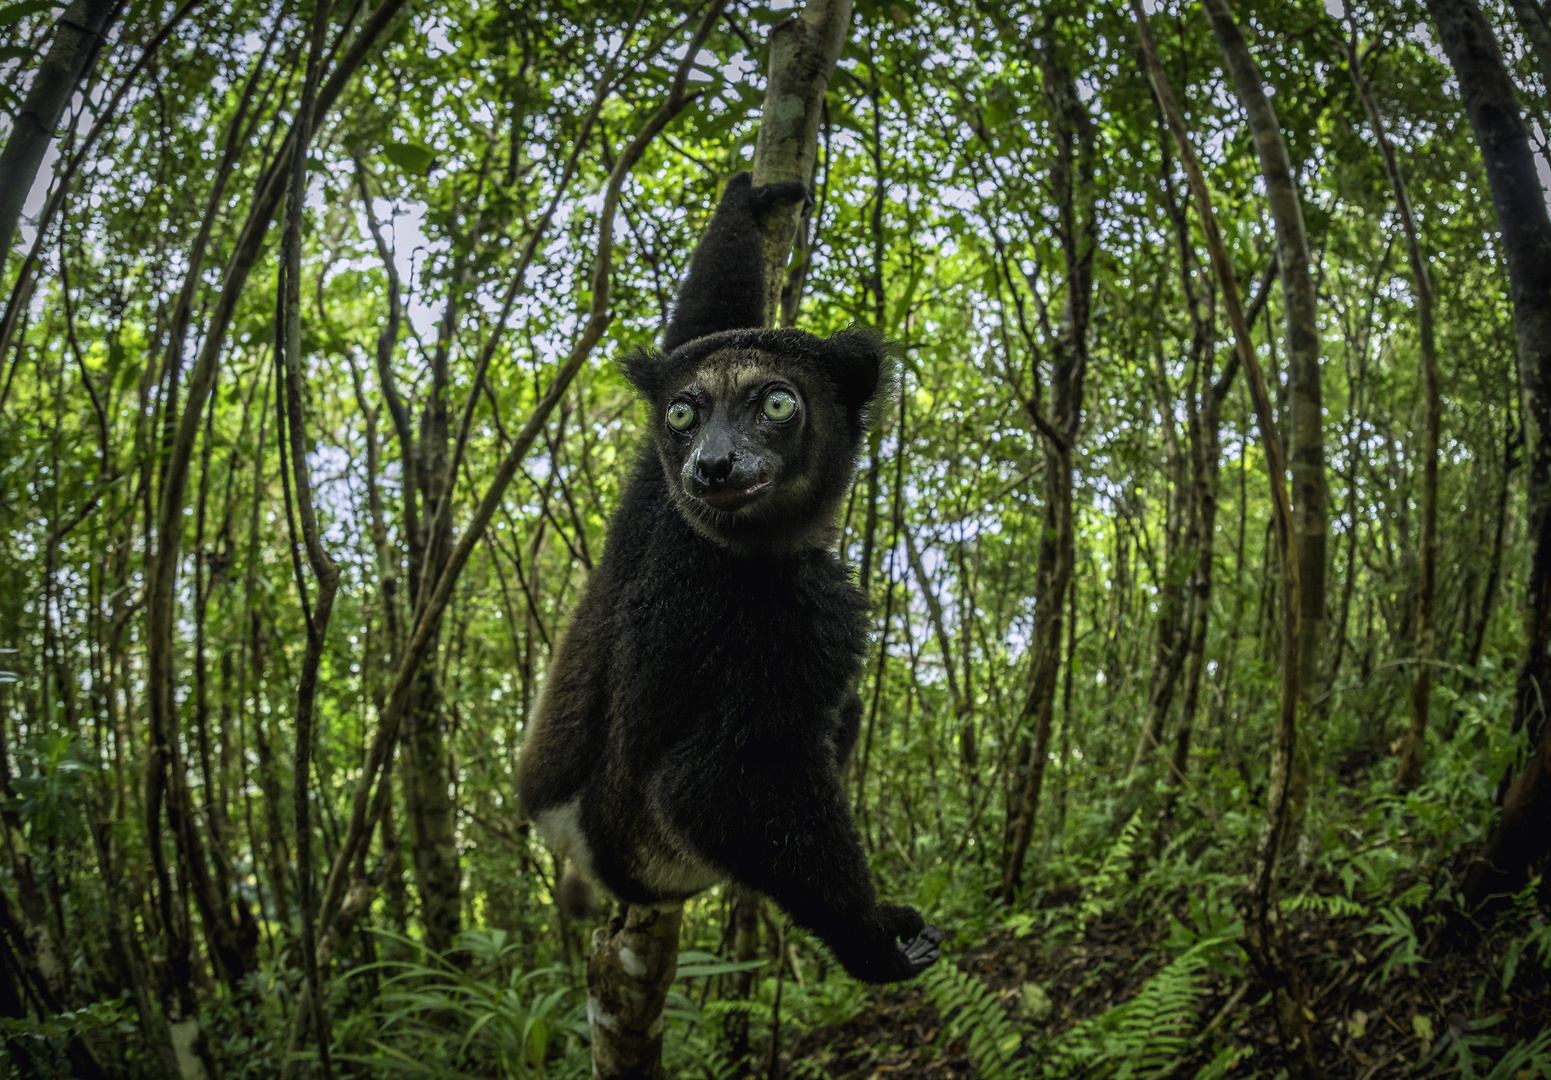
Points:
x=970 y=1011
x=1143 y=1034
x=1339 y=907
x=1102 y=885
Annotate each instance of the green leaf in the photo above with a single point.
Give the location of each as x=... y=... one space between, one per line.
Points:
x=411 y=157
x=15 y=13
x=1511 y=964
x=702 y=965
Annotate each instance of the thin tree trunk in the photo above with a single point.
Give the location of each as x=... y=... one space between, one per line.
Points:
x=1174 y=612
x=968 y=752
x=625 y=996
x=292 y=433
x=1264 y=935
x=1410 y=770
x=1071 y=183
x=1511 y=441
x=1305 y=412
x=430 y=810
x=744 y=906
x=77 y=38
x=1521 y=836
x=1203 y=400
x=803 y=51
x=428 y=805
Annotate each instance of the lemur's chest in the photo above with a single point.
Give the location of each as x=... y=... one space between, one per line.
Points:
x=719 y=639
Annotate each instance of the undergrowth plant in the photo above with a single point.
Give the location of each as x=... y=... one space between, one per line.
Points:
x=1142 y=1035
x=439 y=1019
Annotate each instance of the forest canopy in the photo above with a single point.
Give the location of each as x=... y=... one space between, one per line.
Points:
x=1207 y=531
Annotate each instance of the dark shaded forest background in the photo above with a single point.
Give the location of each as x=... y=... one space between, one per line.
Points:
x=304 y=459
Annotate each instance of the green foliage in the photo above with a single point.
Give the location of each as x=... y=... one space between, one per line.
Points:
x=1535 y=944
x=41 y=1042
x=50 y=788
x=938 y=218
x=413 y=159
x=1141 y=1035
x=1398 y=943
x=11 y=14
x=1101 y=889
x=972 y=1014
x=1337 y=907
x=440 y=1018
x=1468 y=1054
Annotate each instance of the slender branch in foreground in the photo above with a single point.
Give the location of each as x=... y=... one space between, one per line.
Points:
x=1262 y=928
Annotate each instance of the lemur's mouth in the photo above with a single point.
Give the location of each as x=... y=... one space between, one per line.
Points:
x=735 y=499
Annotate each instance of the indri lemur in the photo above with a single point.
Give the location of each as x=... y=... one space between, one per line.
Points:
x=700 y=705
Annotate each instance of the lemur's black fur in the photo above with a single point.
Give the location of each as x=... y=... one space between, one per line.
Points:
x=700 y=705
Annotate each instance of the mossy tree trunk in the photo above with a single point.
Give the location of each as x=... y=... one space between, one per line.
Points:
x=77 y=39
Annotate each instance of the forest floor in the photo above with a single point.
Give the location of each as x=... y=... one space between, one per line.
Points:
x=1376 y=1017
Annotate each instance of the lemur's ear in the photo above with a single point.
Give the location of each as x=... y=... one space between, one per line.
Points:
x=858 y=360
x=643 y=368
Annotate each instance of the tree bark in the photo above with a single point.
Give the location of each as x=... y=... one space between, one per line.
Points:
x=1522 y=836
x=1511 y=442
x=744 y=908
x=292 y=423
x=427 y=802
x=803 y=51
x=77 y=38
x=1264 y=935
x=631 y=966
x=429 y=808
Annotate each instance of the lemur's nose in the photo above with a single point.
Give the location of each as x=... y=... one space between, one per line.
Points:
x=714 y=469
x=714 y=462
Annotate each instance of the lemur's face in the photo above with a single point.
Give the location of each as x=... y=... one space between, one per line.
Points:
x=738 y=428
x=757 y=431
x=741 y=440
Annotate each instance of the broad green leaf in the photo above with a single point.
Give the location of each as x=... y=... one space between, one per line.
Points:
x=411 y=157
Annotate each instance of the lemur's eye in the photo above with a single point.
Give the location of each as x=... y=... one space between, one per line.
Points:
x=681 y=416
x=780 y=405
